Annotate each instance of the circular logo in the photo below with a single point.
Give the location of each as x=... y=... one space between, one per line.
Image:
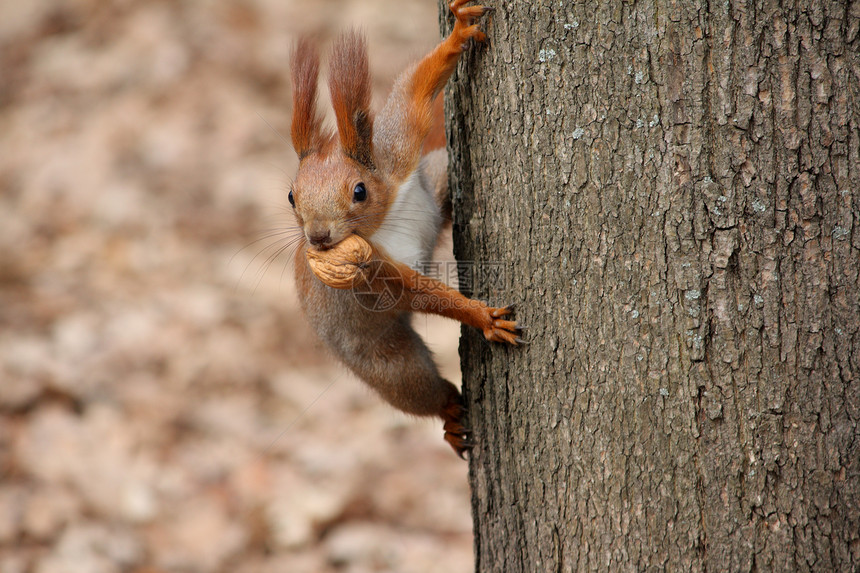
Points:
x=379 y=288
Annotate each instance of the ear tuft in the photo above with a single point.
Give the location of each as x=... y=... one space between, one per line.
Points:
x=349 y=82
x=306 y=129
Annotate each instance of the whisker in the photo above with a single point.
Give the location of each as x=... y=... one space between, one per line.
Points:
x=268 y=234
x=278 y=133
x=273 y=245
x=271 y=259
x=362 y=218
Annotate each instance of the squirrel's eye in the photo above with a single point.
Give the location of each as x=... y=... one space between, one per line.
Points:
x=291 y=199
x=359 y=193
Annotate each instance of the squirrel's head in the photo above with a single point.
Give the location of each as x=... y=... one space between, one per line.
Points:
x=338 y=189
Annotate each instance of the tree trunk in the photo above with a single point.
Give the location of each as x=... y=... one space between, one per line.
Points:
x=670 y=192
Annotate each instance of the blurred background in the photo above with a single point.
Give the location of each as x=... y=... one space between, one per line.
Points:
x=163 y=405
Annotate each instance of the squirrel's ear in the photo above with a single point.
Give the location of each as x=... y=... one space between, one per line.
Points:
x=349 y=81
x=306 y=129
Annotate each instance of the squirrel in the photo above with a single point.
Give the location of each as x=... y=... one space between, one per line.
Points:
x=369 y=182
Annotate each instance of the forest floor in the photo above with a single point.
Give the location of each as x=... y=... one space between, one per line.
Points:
x=163 y=405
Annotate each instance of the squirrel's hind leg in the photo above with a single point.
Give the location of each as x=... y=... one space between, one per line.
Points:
x=400 y=367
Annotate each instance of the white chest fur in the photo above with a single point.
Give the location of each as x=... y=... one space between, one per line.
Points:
x=411 y=226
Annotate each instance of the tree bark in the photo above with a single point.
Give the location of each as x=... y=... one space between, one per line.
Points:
x=671 y=191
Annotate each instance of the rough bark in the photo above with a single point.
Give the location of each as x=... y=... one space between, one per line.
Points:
x=673 y=190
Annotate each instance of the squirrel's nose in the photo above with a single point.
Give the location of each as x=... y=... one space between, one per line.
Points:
x=320 y=238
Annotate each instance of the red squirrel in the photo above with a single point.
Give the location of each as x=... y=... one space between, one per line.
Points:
x=369 y=179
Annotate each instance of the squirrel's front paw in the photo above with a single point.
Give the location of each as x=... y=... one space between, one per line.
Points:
x=501 y=330
x=465 y=26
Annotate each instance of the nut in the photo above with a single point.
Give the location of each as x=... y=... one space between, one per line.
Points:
x=339 y=266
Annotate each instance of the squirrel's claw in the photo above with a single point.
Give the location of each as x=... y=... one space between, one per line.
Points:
x=456 y=433
x=465 y=26
x=501 y=330
x=459 y=443
x=504 y=311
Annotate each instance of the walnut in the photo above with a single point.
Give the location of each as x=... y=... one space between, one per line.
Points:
x=339 y=266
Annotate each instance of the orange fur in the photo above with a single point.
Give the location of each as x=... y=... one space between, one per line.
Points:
x=407 y=116
x=434 y=70
x=420 y=293
x=306 y=128
x=349 y=82
x=436 y=137
x=384 y=155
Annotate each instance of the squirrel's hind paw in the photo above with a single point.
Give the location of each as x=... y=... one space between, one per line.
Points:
x=456 y=433
x=459 y=442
